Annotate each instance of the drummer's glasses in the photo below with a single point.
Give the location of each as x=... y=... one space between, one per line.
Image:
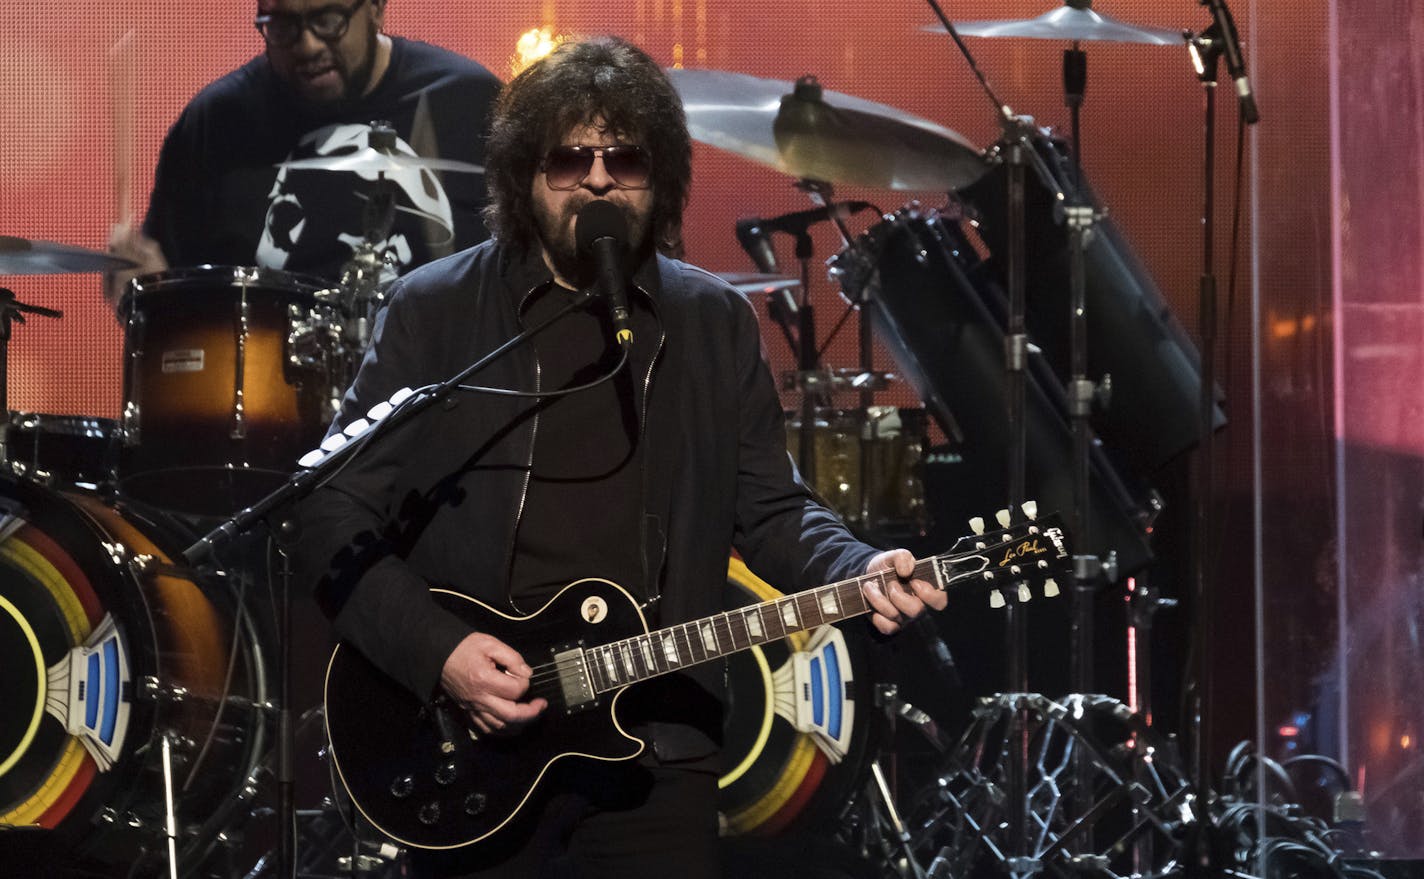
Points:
x=565 y=167
x=327 y=23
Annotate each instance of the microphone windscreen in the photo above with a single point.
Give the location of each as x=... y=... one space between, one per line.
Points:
x=600 y=219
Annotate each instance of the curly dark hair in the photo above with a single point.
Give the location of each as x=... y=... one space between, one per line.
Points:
x=599 y=79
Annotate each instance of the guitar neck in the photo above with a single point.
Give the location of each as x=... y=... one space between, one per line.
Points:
x=620 y=663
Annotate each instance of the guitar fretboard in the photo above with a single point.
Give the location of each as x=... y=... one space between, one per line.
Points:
x=620 y=663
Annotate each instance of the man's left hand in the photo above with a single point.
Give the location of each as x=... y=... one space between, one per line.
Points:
x=902 y=598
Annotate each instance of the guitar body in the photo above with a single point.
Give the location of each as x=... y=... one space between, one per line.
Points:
x=420 y=773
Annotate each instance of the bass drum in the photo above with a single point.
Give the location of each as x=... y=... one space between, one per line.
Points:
x=118 y=667
x=777 y=779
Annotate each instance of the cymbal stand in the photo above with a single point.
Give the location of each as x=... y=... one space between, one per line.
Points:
x=1018 y=152
x=822 y=195
x=12 y=311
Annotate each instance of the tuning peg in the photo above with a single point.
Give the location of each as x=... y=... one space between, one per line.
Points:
x=380 y=410
x=311 y=459
x=333 y=442
x=1003 y=518
x=976 y=524
x=1025 y=594
x=1050 y=588
x=356 y=427
x=996 y=599
x=1030 y=509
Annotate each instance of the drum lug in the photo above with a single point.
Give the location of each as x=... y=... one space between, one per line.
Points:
x=157 y=691
x=128 y=424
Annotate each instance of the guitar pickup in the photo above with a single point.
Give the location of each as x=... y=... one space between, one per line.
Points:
x=574 y=683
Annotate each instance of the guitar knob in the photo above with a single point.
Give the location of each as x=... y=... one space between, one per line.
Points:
x=474 y=804
x=445 y=773
x=428 y=813
x=402 y=787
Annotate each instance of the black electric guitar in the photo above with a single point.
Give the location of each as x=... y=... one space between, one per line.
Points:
x=421 y=774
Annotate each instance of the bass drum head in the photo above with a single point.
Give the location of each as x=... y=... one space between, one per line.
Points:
x=101 y=660
x=775 y=779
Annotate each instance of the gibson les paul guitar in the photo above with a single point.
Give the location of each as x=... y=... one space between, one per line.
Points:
x=423 y=776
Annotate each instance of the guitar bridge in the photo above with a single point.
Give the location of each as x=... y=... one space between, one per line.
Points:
x=574 y=682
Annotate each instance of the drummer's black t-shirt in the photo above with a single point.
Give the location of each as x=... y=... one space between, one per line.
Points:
x=219 y=198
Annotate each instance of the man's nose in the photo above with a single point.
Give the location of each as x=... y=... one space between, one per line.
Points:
x=598 y=177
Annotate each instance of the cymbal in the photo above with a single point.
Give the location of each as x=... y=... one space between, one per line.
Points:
x=1066 y=23
x=21 y=256
x=373 y=161
x=754 y=282
x=812 y=133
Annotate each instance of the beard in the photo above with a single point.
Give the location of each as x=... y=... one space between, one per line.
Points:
x=556 y=234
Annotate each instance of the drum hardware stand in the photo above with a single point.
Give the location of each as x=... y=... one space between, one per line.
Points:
x=12 y=311
x=1017 y=151
x=873 y=812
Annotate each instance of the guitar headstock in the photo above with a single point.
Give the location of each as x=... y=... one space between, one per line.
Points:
x=1020 y=552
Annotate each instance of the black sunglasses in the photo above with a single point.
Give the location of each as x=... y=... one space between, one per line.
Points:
x=329 y=24
x=565 y=167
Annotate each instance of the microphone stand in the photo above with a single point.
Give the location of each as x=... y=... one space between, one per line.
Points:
x=1206 y=53
x=275 y=510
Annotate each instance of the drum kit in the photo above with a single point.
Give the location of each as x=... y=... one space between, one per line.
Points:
x=156 y=678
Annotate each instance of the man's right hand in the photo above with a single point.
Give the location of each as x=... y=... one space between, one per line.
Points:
x=131 y=244
x=490 y=679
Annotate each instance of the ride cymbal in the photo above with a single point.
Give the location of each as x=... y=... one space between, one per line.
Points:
x=812 y=133
x=22 y=256
x=1066 y=23
x=373 y=161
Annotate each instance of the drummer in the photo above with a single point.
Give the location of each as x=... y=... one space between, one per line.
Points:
x=328 y=71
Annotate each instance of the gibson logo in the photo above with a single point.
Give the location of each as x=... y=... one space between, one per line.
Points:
x=1021 y=550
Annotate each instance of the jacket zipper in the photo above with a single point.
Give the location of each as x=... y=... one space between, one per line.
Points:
x=528 y=472
x=649 y=578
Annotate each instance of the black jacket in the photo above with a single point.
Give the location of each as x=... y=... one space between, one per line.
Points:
x=439 y=501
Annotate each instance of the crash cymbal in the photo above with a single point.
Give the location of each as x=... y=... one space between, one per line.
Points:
x=754 y=282
x=373 y=161
x=814 y=134
x=1066 y=23
x=21 y=256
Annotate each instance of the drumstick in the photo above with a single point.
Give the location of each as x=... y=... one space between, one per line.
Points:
x=121 y=108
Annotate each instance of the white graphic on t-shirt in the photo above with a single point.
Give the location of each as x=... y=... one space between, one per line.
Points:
x=309 y=208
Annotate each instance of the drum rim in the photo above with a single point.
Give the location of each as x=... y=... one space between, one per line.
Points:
x=262 y=277
x=18 y=417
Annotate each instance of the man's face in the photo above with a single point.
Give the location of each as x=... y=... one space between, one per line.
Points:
x=326 y=71
x=555 y=211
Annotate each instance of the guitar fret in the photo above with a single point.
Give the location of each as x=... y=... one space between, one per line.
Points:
x=790 y=620
x=626 y=657
x=807 y=608
x=670 y=650
x=645 y=643
x=830 y=603
x=737 y=630
x=775 y=628
x=608 y=665
x=709 y=639
x=753 y=620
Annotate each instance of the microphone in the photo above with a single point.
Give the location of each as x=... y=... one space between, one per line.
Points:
x=798 y=221
x=1235 y=64
x=756 y=241
x=602 y=235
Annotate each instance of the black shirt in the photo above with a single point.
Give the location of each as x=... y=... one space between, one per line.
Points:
x=581 y=508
